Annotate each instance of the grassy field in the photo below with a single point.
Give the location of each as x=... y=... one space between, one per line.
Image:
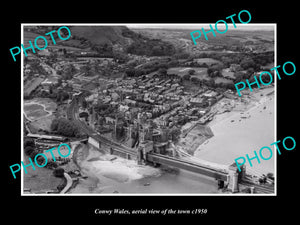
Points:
x=219 y=80
x=41 y=117
x=200 y=72
x=181 y=71
x=40 y=179
x=31 y=36
x=233 y=37
x=208 y=61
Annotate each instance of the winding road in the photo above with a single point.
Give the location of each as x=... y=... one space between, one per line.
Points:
x=69 y=183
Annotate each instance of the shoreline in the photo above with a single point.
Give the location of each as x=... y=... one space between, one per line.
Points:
x=240 y=132
x=255 y=101
x=107 y=174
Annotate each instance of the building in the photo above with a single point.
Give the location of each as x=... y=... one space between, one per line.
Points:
x=210 y=94
x=44 y=52
x=49 y=81
x=235 y=67
x=200 y=102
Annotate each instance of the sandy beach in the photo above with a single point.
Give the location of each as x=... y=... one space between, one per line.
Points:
x=240 y=132
x=108 y=174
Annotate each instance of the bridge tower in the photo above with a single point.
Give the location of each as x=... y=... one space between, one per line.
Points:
x=233 y=184
x=140 y=155
x=234 y=177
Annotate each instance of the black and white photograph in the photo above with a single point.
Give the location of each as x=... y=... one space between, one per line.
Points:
x=136 y=111
x=141 y=109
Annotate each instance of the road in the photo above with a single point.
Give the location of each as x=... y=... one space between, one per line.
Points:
x=68 y=185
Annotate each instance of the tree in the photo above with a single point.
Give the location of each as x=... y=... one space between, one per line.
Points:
x=157 y=50
x=247 y=63
x=211 y=82
x=87 y=69
x=40 y=160
x=69 y=71
x=191 y=72
x=51 y=165
x=250 y=71
x=270 y=176
x=33 y=154
x=83 y=114
x=195 y=80
x=215 y=73
x=28 y=150
x=62 y=96
x=239 y=76
x=162 y=71
x=186 y=77
x=58 y=172
x=130 y=72
x=209 y=71
x=84 y=103
x=29 y=142
x=54 y=124
x=65 y=127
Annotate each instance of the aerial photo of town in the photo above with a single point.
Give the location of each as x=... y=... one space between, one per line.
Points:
x=146 y=111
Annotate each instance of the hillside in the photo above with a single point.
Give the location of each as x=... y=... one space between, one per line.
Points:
x=104 y=40
x=100 y=35
x=119 y=38
x=235 y=40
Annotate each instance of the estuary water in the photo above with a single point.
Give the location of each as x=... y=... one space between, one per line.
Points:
x=113 y=176
x=239 y=133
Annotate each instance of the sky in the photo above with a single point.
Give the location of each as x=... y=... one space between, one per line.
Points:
x=239 y=26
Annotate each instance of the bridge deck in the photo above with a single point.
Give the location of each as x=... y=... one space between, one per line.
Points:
x=186 y=165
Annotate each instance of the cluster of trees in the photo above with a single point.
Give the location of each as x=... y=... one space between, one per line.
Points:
x=242 y=76
x=58 y=172
x=90 y=69
x=103 y=50
x=31 y=150
x=151 y=67
x=131 y=72
x=65 y=127
x=150 y=47
x=58 y=95
x=105 y=109
x=35 y=67
x=120 y=57
x=215 y=71
x=207 y=82
x=246 y=60
x=68 y=72
x=142 y=45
